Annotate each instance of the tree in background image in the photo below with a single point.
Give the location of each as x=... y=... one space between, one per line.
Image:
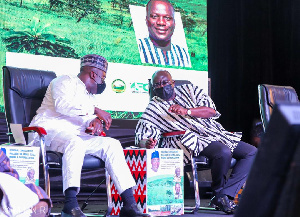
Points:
x=55 y=3
x=36 y=39
x=78 y=9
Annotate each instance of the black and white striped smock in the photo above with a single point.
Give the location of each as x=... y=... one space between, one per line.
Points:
x=176 y=56
x=200 y=132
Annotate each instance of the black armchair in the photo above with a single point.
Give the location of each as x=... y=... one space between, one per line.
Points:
x=269 y=95
x=24 y=90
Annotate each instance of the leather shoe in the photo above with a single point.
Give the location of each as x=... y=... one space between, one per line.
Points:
x=132 y=211
x=75 y=212
x=233 y=205
x=223 y=203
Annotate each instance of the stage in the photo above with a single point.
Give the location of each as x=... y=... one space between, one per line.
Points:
x=122 y=130
x=98 y=208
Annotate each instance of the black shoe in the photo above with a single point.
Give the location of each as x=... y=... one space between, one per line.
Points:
x=233 y=205
x=132 y=211
x=223 y=203
x=75 y=212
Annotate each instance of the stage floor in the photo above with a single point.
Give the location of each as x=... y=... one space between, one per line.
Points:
x=98 y=208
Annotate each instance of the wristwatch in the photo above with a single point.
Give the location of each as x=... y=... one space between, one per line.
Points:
x=189 y=112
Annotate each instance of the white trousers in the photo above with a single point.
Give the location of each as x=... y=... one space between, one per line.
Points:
x=108 y=149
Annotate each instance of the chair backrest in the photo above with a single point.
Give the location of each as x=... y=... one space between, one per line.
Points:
x=269 y=95
x=177 y=83
x=24 y=90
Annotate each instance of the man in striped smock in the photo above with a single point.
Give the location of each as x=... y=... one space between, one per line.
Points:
x=157 y=48
x=187 y=108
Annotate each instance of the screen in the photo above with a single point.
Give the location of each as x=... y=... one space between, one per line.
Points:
x=53 y=35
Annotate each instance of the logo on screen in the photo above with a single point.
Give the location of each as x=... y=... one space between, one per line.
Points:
x=137 y=87
x=118 y=86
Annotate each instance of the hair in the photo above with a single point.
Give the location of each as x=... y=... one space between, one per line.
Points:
x=86 y=69
x=150 y=2
x=155 y=154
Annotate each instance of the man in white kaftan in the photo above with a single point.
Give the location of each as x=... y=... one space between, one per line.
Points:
x=69 y=108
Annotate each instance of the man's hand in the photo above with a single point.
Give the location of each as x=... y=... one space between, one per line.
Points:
x=199 y=112
x=177 y=109
x=96 y=127
x=105 y=116
x=148 y=143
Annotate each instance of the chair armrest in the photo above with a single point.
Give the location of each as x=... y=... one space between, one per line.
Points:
x=90 y=132
x=174 y=133
x=40 y=130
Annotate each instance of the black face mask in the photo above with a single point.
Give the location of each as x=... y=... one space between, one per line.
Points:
x=165 y=92
x=101 y=87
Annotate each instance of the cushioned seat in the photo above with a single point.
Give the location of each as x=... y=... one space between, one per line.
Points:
x=54 y=159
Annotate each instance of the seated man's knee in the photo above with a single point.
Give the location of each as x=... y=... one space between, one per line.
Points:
x=113 y=147
x=252 y=152
x=223 y=152
x=249 y=151
x=116 y=143
x=113 y=144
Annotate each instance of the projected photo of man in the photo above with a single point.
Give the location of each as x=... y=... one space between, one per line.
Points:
x=158 y=47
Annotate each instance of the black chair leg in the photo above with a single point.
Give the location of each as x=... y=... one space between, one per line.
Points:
x=196 y=189
x=45 y=165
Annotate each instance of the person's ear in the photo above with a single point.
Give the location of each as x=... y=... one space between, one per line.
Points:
x=147 y=22
x=93 y=75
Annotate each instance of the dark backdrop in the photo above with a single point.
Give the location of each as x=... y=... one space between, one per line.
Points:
x=251 y=42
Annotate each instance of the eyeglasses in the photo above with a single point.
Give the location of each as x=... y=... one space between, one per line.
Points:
x=162 y=83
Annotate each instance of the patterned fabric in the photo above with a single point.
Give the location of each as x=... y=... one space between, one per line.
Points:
x=94 y=60
x=137 y=162
x=239 y=194
x=176 y=56
x=199 y=132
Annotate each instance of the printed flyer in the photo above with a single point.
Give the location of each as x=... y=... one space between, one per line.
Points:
x=25 y=160
x=165 y=187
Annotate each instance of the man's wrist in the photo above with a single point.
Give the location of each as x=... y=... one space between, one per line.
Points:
x=188 y=112
x=102 y=121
